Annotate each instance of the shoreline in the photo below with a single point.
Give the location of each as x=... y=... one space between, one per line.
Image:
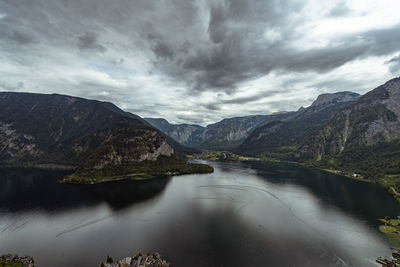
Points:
x=382 y=182
x=89 y=178
x=43 y=166
x=95 y=178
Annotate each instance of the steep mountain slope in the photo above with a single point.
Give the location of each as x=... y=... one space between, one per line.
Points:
x=363 y=137
x=52 y=128
x=186 y=134
x=280 y=138
x=62 y=130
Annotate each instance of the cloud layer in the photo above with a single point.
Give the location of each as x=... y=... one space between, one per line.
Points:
x=198 y=61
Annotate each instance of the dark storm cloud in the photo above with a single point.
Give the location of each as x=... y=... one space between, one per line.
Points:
x=16 y=36
x=209 y=46
x=241 y=100
x=144 y=48
x=89 y=41
x=213 y=106
x=236 y=43
x=22 y=38
x=244 y=100
x=163 y=50
x=238 y=46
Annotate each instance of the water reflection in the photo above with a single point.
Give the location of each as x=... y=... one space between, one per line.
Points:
x=356 y=198
x=36 y=189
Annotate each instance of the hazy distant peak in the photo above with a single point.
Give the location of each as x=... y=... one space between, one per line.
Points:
x=301 y=109
x=280 y=112
x=159 y=120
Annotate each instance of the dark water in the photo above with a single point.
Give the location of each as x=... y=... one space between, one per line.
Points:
x=244 y=214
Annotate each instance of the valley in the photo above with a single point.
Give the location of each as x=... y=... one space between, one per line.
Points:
x=112 y=163
x=355 y=136
x=218 y=133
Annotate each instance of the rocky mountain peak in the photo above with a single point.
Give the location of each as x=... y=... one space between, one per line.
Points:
x=326 y=99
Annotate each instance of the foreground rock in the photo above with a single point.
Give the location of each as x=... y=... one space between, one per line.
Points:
x=154 y=260
x=11 y=260
x=393 y=262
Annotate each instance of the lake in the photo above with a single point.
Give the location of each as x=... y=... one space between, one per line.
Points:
x=244 y=214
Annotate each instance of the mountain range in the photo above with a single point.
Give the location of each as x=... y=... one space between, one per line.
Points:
x=342 y=131
x=226 y=134
x=272 y=139
x=240 y=133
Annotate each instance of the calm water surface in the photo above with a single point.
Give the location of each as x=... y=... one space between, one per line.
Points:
x=244 y=214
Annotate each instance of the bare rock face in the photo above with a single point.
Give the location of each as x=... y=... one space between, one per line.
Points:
x=125 y=144
x=389 y=126
x=393 y=101
x=16 y=144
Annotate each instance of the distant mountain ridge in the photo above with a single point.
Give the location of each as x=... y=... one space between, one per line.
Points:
x=187 y=134
x=223 y=135
x=228 y=134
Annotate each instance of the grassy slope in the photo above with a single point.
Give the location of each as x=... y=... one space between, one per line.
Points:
x=12 y=263
x=391 y=229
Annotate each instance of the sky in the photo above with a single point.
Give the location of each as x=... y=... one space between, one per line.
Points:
x=198 y=61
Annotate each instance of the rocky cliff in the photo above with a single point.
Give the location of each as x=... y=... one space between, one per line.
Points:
x=372 y=119
x=186 y=134
x=358 y=136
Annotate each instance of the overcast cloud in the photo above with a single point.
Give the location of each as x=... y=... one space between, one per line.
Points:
x=198 y=61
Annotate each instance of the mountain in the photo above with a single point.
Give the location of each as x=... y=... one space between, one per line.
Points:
x=281 y=137
x=223 y=135
x=362 y=137
x=186 y=134
x=39 y=129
